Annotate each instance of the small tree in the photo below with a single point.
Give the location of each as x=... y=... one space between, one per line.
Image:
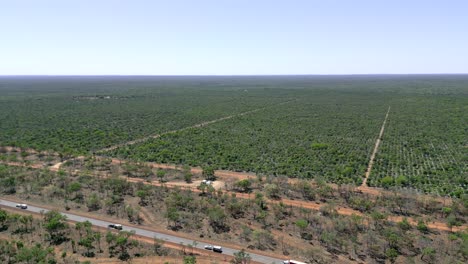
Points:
x=161 y=174
x=302 y=224
x=209 y=173
x=404 y=224
x=187 y=173
x=35 y=254
x=173 y=216
x=386 y=181
x=452 y=221
x=56 y=226
x=93 y=203
x=119 y=244
x=142 y=194
x=428 y=254
x=244 y=185
x=158 y=247
x=87 y=242
x=217 y=219
x=422 y=227
x=188 y=177
x=446 y=211
x=74 y=187
x=272 y=191
x=241 y=257
x=190 y=260
x=391 y=254
x=3 y=220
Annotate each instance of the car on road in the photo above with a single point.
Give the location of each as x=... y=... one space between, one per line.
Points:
x=22 y=206
x=208 y=247
x=115 y=226
x=217 y=249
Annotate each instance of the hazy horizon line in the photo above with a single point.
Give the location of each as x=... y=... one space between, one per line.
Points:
x=220 y=75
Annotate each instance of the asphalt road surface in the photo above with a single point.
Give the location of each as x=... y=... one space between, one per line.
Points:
x=145 y=233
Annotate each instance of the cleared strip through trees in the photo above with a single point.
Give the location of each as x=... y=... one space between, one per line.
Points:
x=376 y=148
x=140 y=140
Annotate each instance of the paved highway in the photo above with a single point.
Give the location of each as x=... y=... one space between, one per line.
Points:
x=145 y=233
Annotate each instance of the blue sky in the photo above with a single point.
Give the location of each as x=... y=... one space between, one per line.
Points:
x=206 y=37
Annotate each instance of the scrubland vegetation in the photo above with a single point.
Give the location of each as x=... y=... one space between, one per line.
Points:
x=262 y=221
x=51 y=239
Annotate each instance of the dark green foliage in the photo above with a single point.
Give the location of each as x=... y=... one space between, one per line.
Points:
x=404 y=224
x=244 y=185
x=422 y=227
x=279 y=140
x=190 y=260
x=327 y=129
x=208 y=173
x=119 y=244
x=217 y=219
x=35 y=254
x=78 y=115
x=330 y=132
x=3 y=220
x=424 y=145
x=56 y=226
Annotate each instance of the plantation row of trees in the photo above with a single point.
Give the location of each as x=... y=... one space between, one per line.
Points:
x=327 y=135
x=329 y=132
x=331 y=136
x=424 y=146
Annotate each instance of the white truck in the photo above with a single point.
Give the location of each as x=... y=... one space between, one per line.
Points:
x=22 y=206
x=115 y=226
x=217 y=249
x=290 y=261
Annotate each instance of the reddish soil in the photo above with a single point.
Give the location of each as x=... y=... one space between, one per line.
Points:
x=242 y=175
x=224 y=175
x=304 y=204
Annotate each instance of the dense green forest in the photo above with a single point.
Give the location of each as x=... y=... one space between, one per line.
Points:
x=325 y=134
x=77 y=116
x=327 y=128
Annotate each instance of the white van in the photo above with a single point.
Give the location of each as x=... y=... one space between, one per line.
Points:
x=290 y=261
x=22 y=206
x=217 y=249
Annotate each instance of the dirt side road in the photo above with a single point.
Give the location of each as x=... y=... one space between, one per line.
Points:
x=376 y=148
